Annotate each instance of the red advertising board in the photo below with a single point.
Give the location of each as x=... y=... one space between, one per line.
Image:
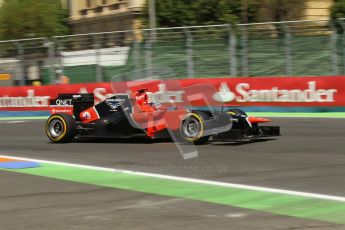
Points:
x=282 y=91
x=263 y=91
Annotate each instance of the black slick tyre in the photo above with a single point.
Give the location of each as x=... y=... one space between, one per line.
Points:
x=61 y=128
x=192 y=127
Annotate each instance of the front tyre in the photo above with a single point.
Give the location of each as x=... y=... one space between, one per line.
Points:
x=61 y=128
x=192 y=128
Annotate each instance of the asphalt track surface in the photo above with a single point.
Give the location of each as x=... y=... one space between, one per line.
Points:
x=309 y=157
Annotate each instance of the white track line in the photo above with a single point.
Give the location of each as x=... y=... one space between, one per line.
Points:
x=14 y=122
x=191 y=180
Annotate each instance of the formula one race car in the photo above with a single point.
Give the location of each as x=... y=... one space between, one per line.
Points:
x=125 y=116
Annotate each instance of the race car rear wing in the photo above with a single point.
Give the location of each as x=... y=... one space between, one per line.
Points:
x=72 y=104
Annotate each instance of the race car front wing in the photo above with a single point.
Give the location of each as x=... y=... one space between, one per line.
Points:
x=256 y=132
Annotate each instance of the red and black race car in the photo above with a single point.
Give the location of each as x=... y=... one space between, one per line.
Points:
x=125 y=116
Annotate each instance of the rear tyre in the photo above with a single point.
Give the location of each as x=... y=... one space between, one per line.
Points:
x=61 y=128
x=192 y=127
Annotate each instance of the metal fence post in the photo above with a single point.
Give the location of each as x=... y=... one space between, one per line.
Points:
x=20 y=51
x=51 y=53
x=148 y=54
x=244 y=52
x=136 y=51
x=189 y=52
x=342 y=24
x=97 y=45
x=59 y=49
x=334 y=55
x=287 y=50
x=232 y=51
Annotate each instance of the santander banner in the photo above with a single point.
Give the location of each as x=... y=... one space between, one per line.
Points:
x=263 y=91
x=279 y=91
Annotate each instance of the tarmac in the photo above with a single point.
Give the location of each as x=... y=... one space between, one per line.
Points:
x=308 y=157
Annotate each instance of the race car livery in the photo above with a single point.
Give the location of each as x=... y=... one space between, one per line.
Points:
x=132 y=116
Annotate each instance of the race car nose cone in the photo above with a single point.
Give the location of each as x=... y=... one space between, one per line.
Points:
x=255 y=120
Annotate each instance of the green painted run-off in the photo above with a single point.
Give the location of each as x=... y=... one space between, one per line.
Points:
x=289 y=205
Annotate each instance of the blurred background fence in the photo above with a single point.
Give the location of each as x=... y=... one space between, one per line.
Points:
x=294 y=48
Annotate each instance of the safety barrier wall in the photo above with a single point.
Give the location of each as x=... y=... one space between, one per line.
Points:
x=264 y=93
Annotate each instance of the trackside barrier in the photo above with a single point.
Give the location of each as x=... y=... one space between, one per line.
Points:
x=322 y=93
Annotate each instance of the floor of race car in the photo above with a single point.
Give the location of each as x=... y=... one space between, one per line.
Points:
x=309 y=157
